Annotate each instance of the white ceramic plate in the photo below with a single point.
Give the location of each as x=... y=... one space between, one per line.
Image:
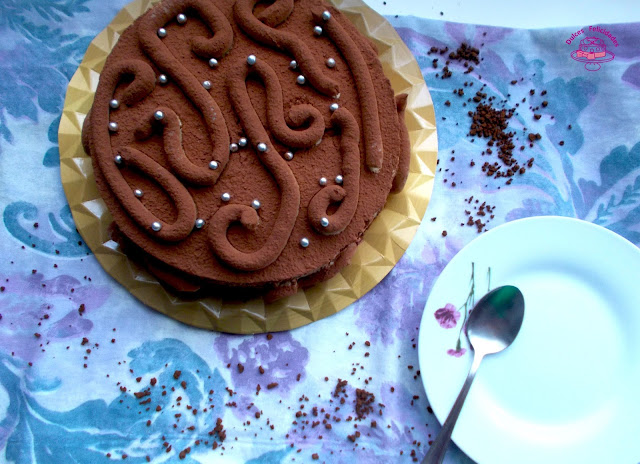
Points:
x=567 y=390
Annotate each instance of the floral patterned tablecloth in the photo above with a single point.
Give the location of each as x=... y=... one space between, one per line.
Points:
x=88 y=374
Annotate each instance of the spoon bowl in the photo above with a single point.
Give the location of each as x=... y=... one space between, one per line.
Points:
x=492 y=326
x=496 y=319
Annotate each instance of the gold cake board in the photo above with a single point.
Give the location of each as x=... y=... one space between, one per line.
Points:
x=384 y=242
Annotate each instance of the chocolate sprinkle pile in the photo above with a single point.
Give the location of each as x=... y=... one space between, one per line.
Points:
x=490 y=119
x=490 y=123
x=364 y=400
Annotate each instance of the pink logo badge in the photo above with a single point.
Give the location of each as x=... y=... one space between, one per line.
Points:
x=592 y=51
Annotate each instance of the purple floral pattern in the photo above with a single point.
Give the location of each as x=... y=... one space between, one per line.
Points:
x=37 y=310
x=458 y=352
x=448 y=316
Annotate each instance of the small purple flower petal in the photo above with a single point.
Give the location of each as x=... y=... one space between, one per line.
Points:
x=456 y=353
x=448 y=316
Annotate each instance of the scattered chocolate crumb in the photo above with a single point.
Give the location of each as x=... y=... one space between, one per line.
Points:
x=176 y=374
x=272 y=385
x=240 y=368
x=444 y=233
x=363 y=403
x=340 y=388
x=466 y=53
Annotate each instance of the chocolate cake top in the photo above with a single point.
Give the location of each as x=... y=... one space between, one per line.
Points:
x=245 y=143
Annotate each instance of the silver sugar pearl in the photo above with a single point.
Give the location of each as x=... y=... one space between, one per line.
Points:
x=158 y=115
x=162 y=32
x=333 y=106
x=288 y=156
x=181 y=18
x=117 y=159
x=163 y=79
x=300 y=79
x=262 y=147
x=206 y=85
x=156 y=226
x=199 y=223
x=114 y=104
x=137 y=193
x=326 y=15
x=293 y=64
x=225 y=196
x=317 y=30
x=213 y=165
x=242 y=142
x=251 y=60
x=323 y=181
x=324 y=222
x=331 y=63
x=339 y=179
x=304 y=242
x=255 y=204
x=233 y=147
x=113 y=126
x=213 y=63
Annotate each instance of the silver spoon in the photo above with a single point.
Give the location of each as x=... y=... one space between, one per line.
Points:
x=492 y=326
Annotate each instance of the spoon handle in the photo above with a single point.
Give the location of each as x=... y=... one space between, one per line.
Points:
x=438 y=448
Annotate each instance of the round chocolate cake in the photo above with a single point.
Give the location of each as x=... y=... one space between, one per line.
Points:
x=244 y=147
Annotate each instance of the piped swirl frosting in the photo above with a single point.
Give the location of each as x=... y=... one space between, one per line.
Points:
x=264 y=147
x=262 y=30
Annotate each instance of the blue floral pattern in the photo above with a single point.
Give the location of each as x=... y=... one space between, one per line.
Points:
x=73 y=343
